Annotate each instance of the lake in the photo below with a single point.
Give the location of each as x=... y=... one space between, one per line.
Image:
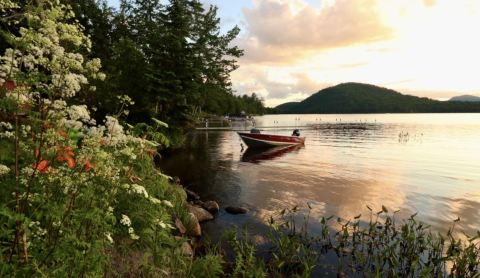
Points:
x=425 y=163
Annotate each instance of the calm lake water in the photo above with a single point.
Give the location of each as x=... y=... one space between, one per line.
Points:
x=425 y=163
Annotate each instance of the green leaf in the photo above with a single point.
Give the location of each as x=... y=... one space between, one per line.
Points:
x=159 y=123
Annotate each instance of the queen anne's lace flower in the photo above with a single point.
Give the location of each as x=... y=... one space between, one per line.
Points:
x=125 y=220
x=155 y=200
x=4 y=170
x=109 y=237
x=139 y=190
x=79 y=112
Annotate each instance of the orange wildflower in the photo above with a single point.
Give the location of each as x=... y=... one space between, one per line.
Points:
x=62 y=133
x=47 y=125
x=87 y=166
x=71 y=162
x=42 y=166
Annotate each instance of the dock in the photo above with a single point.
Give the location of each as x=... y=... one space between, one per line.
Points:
x=237 y=128
x=286 y=127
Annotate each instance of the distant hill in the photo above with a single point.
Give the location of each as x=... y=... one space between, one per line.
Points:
x=465 y=98
x=366 y=98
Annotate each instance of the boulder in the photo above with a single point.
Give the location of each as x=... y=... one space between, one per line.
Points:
x=200 y=213
x=180 y=226
x=194 y=225
x=185 y=249
x=236 y=210
x=211 y=206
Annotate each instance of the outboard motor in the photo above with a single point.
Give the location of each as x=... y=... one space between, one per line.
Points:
x=255 y=130
x=296 y=132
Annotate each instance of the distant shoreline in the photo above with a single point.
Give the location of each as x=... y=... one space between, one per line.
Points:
x=358 y=98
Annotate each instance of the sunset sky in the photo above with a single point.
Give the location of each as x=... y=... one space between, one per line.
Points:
x=294 y=48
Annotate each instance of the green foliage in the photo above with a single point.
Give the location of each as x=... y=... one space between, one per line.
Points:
x=169 y=57
x=364 y=98
x=207 y=266
x=294 y=252
x=380 y=247
x=78 y=199
x=246 y=263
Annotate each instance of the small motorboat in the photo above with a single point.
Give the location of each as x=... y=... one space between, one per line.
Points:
x=255 y=139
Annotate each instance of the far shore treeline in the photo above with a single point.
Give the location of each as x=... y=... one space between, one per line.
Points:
x=169 y=57
x=365 y=98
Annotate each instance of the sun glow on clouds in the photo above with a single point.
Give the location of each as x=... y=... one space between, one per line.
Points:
x=423 y=47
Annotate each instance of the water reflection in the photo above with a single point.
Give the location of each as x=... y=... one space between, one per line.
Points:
x=254 y=155
x=343 y=167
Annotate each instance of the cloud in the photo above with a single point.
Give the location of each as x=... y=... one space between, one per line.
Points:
x=276 y=87
x=420 y=47
x=282 y=31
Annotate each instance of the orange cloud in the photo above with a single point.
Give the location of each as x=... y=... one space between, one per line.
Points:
x=421 y=47
x=281 y=31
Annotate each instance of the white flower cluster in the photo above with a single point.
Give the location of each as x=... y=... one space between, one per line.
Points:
x=125 y=99
x=115 y=130
x=127 y=222
x=6 y=130
x=69 y=84
x=155 y=201
x=38 y=231
x=109 y=237
x=4 y=170
x=5 y=125
x=129 y=152
x=137 y=189
x=47 y=43
x=19 y=96
x=59 y=105
x=94 y=66
x=7 y=4
x=132 y=234
x=9 y=64
x=163 y=225
x=78 y=115
x=25 y=130
x=7 y=134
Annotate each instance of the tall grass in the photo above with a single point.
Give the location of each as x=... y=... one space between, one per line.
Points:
x=382 y=246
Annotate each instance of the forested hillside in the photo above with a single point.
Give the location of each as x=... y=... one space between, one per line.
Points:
x=365 y=98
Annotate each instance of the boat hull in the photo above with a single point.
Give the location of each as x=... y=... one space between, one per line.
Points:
x=255 y=140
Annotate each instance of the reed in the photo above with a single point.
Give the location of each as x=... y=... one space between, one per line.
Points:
x=380 y=246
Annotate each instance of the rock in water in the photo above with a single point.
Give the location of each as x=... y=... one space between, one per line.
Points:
x=194 y=225
x=236 y=210
x=211 y=206
x=200 y=213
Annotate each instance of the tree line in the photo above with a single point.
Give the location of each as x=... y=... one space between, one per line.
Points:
x=170 y=57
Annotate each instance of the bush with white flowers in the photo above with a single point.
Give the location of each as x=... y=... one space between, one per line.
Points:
x=74 y=194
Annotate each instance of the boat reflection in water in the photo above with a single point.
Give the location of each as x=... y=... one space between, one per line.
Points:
x=257 y=155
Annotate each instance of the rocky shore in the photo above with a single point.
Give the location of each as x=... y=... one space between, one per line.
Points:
x=199 y=211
